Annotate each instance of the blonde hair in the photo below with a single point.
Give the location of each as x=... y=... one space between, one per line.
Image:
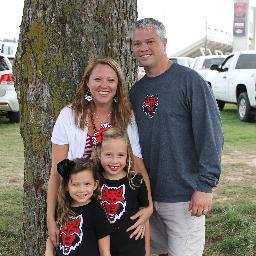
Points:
x=121 y=113
x=64 y=199
x=117 y=133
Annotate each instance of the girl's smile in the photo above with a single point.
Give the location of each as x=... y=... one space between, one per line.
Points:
x=113 y=158
x=81 y=187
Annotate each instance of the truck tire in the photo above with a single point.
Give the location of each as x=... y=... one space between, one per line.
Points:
x=221 y=104
x=14 y=117
x=244 y=108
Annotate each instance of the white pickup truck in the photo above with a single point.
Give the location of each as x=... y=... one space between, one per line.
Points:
x=235 y=82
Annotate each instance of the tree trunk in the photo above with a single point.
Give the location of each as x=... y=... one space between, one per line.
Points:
x=57 y=40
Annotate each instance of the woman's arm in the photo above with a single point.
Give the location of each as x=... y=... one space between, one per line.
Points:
x=143 y=214
x=139 y=166
x=59 y=152
x=104 y=246
x=49 y=248
x=147 y=238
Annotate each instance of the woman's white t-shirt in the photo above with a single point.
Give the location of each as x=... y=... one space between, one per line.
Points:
x=66 y=132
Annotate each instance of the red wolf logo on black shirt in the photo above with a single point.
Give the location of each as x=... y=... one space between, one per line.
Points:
x=113 y=200
x=150 y=105
x=71 y=235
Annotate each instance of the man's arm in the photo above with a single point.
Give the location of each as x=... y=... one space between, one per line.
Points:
x=208 y=137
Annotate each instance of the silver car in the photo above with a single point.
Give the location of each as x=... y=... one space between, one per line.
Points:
x=9 y=105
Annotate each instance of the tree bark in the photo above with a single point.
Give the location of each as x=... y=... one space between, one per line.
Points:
x=57 y=40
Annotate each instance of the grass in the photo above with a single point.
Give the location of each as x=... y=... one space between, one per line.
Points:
x=11 y=172
x=231 y=226
x=231 y=230
x=238 y=135
x=10 y=224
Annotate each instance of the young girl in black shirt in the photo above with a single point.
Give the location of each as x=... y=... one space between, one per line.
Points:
x=84 y=228
x=123 y=191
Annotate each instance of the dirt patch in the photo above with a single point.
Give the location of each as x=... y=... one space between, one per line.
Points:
x=11 y=178
x=238 y=178
x=238 y=157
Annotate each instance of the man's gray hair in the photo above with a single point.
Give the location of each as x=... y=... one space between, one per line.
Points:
x=150 y=23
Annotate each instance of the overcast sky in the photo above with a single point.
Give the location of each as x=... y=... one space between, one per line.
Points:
x=185 y=20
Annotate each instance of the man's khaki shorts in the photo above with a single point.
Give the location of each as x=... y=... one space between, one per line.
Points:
x=175 y=231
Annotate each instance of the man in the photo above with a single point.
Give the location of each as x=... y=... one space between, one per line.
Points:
x=181 y=140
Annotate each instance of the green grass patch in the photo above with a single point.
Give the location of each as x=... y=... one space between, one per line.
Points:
x=11 y=146
x=11 y=172
x=231 y=230
x=238 y=135
x=10 y=224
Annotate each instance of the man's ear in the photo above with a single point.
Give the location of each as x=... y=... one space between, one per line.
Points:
x=164 y=40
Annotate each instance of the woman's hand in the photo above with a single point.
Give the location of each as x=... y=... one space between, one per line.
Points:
x=53 y=232
x=48 y=253
x=140 y=232
x=142 y=217
x=49 y=248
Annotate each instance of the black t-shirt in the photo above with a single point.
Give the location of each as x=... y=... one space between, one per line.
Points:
x=121 y=201
x=82 y=233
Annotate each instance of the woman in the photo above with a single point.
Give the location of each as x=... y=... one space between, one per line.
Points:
x=101 y=101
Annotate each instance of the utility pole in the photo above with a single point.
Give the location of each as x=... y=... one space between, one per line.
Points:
x=254 y=29
x=206 y=34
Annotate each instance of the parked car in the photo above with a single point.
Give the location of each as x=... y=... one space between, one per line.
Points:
x=141 y=72
x=184 y=61
x=9 y=105
x=235 y=82
x=202 y=64
x=11 y=58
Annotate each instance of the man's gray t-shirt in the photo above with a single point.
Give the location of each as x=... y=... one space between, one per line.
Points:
x=180 y=133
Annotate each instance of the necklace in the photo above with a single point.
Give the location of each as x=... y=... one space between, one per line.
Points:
x=99 y=120
x=106 y=118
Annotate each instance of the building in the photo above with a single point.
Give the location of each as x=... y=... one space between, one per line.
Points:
x=214 y=42
x=244 y=26
x=8 y=48
x=221 y=42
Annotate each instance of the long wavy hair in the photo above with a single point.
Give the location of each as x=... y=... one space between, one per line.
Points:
x=121 y=113
x=64 y=211
x=117 y=133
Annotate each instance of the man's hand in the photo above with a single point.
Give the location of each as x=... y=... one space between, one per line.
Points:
x=200 y=204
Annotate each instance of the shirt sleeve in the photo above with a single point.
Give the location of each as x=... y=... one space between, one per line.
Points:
x=60 y=129
x=208 y=135
x=102 y=226
x=133 y=134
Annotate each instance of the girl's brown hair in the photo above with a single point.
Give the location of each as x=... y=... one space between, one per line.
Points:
x=121 y=113
x=64 y=200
